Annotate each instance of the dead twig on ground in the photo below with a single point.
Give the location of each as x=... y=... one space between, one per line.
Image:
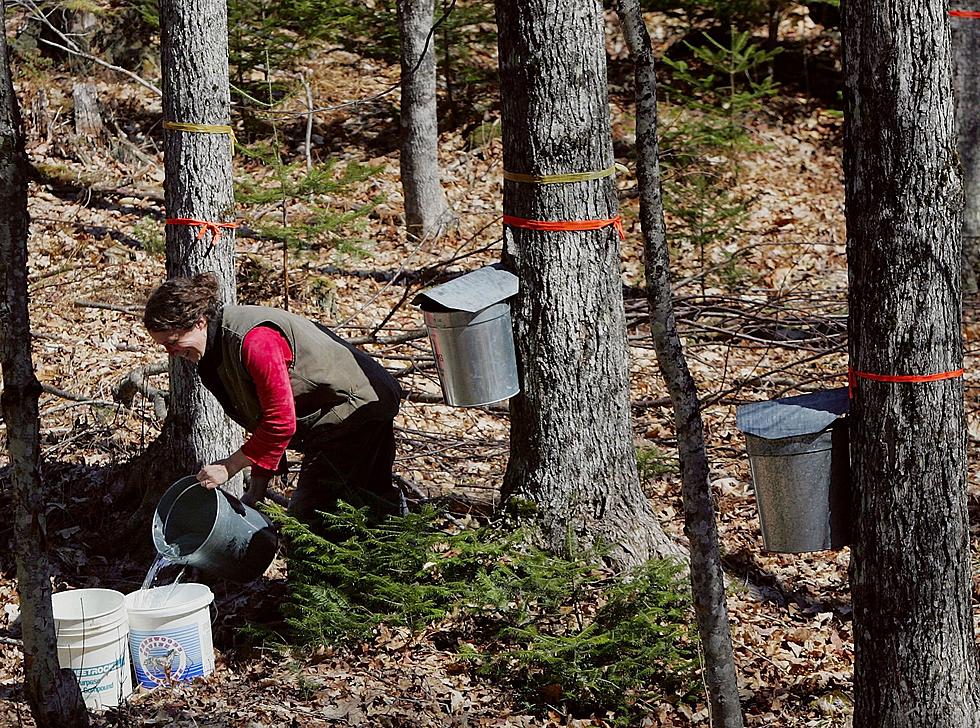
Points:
x=411 y=335
x=131 y=310
x=74 y=397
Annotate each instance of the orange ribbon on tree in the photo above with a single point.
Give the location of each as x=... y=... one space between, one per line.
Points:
x=616 y=222
x=214 y=228
x=974 y=14
x=853 y=375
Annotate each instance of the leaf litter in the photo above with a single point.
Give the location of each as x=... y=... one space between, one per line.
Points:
x=791 y=617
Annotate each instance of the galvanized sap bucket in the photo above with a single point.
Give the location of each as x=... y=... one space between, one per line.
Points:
x=798 y=455
x=469 y=326
x=213 y=531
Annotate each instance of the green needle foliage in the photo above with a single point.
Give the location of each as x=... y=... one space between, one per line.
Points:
x=357 y=575
x=715 y=93
x=723 y=85
x=554 y=630
x=636 y=650
x=315 y=223
x=652 y=462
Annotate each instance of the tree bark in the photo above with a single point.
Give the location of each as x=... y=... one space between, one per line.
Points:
x=966 y=85
x=572 y=449
x=88 y=118
x=198 y=185
x=707 y=576
x=427 y=214
x=915 y=656
x=52 y=693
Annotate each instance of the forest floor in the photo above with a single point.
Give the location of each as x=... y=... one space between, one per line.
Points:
x=772 y=323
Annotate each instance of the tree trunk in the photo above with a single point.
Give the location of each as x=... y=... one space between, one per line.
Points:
x=52 y=693
x=707 y=577
x=774 y=14
x=966 y=85
x=88 y=118
x=198 y=185
x=427 y=213
x=572 y=449
x=915 y=658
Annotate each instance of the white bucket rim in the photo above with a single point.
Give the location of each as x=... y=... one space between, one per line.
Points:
x=193 y=596
x=70 y=598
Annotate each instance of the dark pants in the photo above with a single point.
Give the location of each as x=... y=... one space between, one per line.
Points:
x=351 y=462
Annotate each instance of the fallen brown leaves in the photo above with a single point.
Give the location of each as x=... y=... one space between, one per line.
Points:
x=790 y=614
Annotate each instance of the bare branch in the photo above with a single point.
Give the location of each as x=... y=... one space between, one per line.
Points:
x=74 y=50
x=106 y=64
x=132 y=310
x=138 y=382
x=83 y=398
x=397 y=339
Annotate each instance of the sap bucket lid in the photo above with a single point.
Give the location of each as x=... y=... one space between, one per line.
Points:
x=470 y=292
x=804 y=414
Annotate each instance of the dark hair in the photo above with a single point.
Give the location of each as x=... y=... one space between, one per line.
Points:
x=179 y=303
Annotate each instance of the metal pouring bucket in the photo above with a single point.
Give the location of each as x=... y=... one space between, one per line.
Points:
x=798 y=455
x=213 y=531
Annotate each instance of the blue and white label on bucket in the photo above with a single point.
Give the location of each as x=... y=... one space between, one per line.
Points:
x=163 y=657
x=94 y=679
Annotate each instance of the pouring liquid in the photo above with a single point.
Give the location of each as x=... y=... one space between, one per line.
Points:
x=162 y=561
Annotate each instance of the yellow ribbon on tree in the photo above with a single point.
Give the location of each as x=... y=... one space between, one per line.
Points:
x=551 y=179
x=203 y=129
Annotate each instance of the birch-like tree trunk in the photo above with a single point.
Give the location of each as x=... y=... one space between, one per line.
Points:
x=198 y=186
x=915 y=662
x=707 y=576
x=52 y=693
x=572 y=450
x=427 y=213
x=966 y=85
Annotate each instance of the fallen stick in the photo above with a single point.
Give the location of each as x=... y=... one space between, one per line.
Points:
x=108 y=306
x=82 y=398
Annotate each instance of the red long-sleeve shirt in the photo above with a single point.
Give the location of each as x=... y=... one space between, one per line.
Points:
x=267 y=356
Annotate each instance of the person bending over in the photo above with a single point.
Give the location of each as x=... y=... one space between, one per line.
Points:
x=290 y=382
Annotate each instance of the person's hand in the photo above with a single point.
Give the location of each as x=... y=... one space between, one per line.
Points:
x=219 y=473
x=213 y=475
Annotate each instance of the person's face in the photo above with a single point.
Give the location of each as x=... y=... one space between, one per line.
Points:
x=186 y=343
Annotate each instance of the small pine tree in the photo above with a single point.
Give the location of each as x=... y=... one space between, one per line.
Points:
x=522 y=617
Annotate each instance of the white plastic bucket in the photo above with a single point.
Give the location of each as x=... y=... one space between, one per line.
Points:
x=92 y=632
x=170 y=633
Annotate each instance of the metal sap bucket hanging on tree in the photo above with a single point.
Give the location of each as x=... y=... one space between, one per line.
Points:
x=469 y=326
x=798 y=455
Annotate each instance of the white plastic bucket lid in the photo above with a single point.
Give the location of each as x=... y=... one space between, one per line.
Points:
x=86 y=610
